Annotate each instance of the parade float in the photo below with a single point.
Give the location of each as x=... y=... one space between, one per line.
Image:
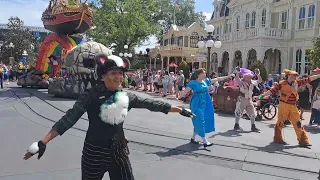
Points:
x=80 y=72
x=65 y=18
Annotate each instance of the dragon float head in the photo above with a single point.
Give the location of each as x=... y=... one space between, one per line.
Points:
x=67 y=17
x=91 y=60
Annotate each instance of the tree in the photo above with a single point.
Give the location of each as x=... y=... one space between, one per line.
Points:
x=125 y=23
x=131 y=22
x=186 y=69
x=180 y=11
x=314 y=54
x=259 y=65
x=19 y=36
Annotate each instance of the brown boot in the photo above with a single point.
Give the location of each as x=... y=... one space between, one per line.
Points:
x=278 y=135
x=304 y=140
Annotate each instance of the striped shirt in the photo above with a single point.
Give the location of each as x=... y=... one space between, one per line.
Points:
x=292 y=98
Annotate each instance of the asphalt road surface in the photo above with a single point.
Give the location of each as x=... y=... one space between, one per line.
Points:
x=159 y=145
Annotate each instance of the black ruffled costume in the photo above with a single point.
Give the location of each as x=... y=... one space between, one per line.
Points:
x=105 y=148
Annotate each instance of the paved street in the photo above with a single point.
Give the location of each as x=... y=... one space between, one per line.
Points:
x=159 y=145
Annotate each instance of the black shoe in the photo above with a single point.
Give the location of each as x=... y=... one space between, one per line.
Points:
x=237 y=127
x=207 y=144
x=254 y=128
x=305 y=145
x=193 y=141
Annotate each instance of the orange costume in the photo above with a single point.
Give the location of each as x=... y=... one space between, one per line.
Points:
x=288 y=109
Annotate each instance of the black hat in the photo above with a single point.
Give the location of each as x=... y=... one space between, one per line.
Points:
x=105 y=63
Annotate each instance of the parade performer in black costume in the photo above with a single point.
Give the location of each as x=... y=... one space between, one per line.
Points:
x=105 y=147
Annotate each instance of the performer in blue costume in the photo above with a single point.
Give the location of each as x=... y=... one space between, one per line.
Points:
x=201 y=105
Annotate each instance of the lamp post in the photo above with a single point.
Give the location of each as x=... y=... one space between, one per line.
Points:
x=209 y=42
x=11 y=46
x=125 y=54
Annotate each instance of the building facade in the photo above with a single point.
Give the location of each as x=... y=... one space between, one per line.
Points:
x=278 y=33
x=180 y=43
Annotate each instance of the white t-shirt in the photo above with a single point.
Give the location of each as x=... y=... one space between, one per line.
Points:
x=165 y=79
x=212 y=88
x=171 y=79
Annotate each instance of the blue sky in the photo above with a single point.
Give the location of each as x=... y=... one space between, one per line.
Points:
x=30 y=12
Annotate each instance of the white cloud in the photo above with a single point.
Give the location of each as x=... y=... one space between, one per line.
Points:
x=29 y=11
x=150 y=43
x=207 y=15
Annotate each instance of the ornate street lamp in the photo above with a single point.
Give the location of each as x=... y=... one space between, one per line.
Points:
x=209 y=42
x=126 y=55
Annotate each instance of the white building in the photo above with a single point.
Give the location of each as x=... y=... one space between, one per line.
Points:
x=278 y=33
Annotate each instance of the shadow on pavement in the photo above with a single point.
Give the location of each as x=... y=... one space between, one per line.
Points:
x=7 y=94
x=277 y=148
x=312 y=130
x=230 y=133
x=184 y=149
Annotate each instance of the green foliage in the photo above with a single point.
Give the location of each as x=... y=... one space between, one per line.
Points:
x=184 y=11
x=127 y=22
x=131 y=22
x=138 y=62
x=20 y=37
x=260 y=66
x=184 y=66
x=314 y=54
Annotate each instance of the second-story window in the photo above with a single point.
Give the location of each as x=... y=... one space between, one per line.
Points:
x=302 y=17
x=253 y=19
x=284 y=19
x=238 y=24
x=194 y=39
x=165 y=42
x=247 y=21
x=173 y=39
x=263 y=17
x=311 y=16
x=218 y=30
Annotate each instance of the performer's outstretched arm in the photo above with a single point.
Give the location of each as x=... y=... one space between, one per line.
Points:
x=156 y=106
x=73 y=114
x=218 y=79
x=150 y=104
x=314 y=77
x=70 y=118
x=273 y=90
x=65 y=123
